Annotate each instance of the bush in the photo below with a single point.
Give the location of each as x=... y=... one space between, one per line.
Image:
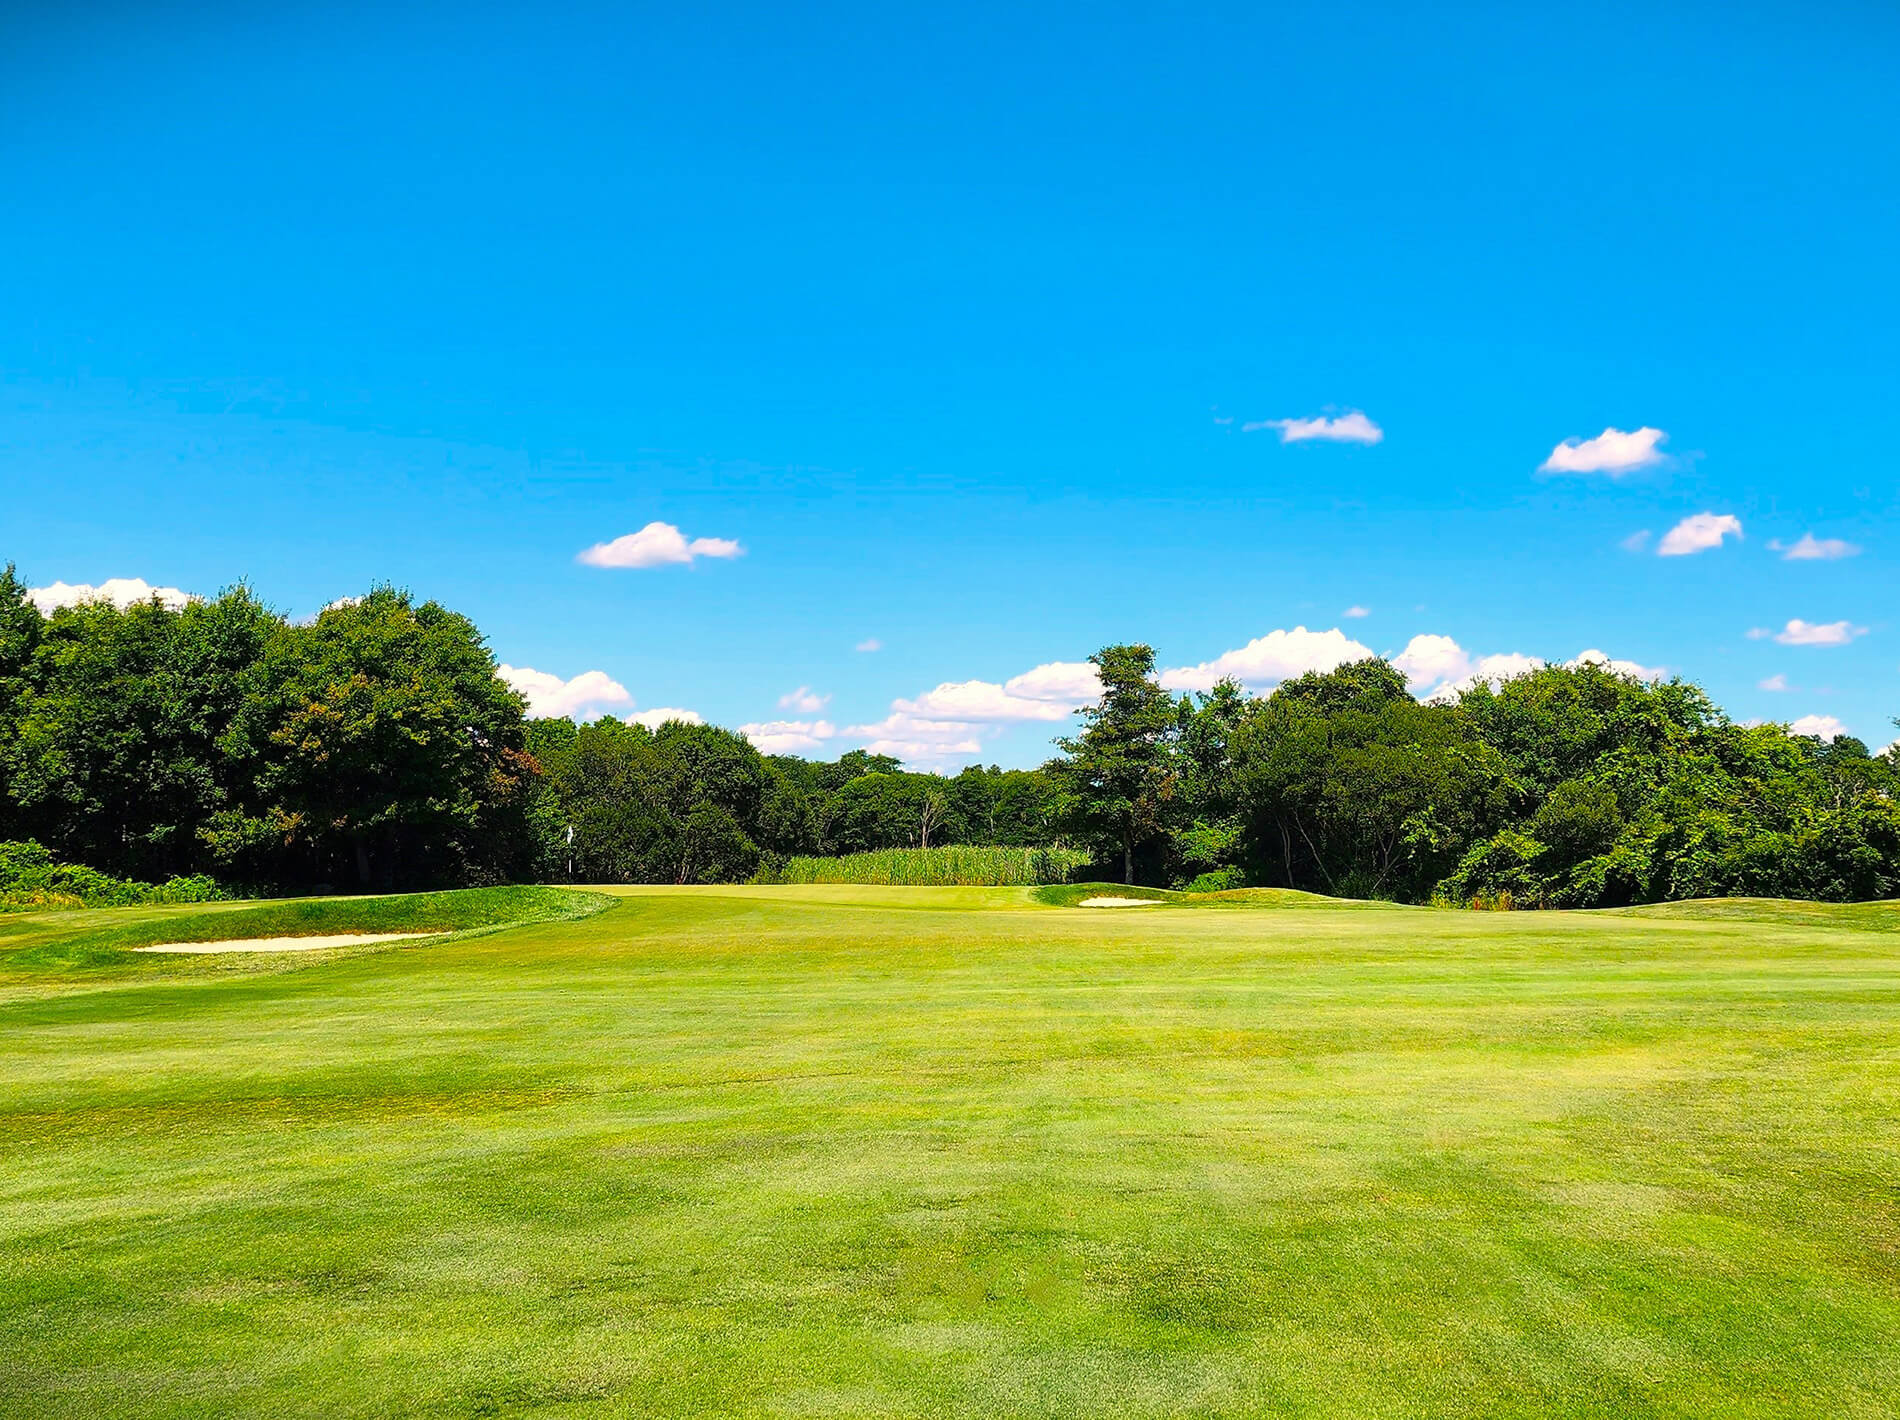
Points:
x=1219 y=880
x=31 y=881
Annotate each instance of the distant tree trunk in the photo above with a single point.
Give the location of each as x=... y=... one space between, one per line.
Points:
x=362 y=860
x=1128 y=861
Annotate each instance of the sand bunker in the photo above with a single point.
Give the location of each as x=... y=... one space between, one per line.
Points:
x=285 y=944
x=1119 y=902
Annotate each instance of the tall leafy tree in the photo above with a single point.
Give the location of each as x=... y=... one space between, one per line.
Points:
x=387 y=747
x=1119 y=774
x=20 y=629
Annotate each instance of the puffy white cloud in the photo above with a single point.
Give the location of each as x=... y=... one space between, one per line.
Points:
x=788 y=736
x=1270 y=659
x=870 y=643
x=1822 y=727
x=805 y=700
x=919 y=739
x=1440 y=662
x=1613 y=452
x=550 y=696
x=1353 y=428
x=339 y=604
x=1807 y=633
x=1809 y=548
x=664 y=715
x=1353 y=613
x=981 y=700
x=1429 y=658
x=1634 y=669
x=657 y=545
x=1776 y=682
x=1698 y=533
x=952 y=721
x=120 y=591
x=1073 y=682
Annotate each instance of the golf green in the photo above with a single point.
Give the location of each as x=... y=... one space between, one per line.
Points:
x=838 y=1151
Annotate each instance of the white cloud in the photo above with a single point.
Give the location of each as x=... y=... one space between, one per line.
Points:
x=870 y=643
x=788 y=736
x=120 y=591
x=1074 y=682
x=1697 y=533
x=981 y=700
x=657 y=545
x=1613 y=452
x=1429 y=658
x=1777 y=681
x=339 y=604
x=549 y=696
x=1270 y=659
x=952 y=721
x=1810 y=548
x=805 y=700
x=664 y=715
x=1807 y=633
x=1353 y=428
x=918 y=739
x=1635 y=669
x=1440 y=662
x=1636 y=541
x=1353 y=613
x=1824 y=727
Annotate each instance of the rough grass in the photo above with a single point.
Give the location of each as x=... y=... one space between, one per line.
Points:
x=854 y=1151
x=957 y=865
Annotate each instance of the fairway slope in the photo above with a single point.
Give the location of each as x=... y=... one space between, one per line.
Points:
x=956 y=1153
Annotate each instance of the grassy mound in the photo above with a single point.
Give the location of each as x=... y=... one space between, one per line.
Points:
x=107 y=938
x=958 y=865
x=1073 y=894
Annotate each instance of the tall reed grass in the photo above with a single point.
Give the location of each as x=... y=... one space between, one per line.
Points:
x=959 y=865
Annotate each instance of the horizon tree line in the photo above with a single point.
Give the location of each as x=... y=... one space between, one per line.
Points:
x=377 y=747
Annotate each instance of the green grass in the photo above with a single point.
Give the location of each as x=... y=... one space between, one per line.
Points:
x=957 y=865
x=82 y=940
x=949 y=1152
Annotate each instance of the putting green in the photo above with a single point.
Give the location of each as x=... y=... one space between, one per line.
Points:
x=843 y=1151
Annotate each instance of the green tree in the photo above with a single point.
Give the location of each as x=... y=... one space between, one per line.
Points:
x=1119 y=773
x=20 y=628
x=386 y=744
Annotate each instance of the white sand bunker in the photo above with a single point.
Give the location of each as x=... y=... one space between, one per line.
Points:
x=285 y=944
x=1119 y=902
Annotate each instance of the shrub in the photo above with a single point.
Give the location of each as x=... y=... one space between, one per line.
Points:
x=31 y=881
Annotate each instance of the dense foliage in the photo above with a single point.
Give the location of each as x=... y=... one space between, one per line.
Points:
x=1569 y=786
x=694 y=803
x=375 y=746
x=30 y=878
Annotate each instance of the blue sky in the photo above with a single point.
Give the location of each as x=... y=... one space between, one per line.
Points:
x=953 y=321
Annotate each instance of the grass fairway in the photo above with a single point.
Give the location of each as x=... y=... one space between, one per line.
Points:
x=837 y=1151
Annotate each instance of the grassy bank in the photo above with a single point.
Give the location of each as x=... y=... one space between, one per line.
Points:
x=107 y=939
x=824 y=1151
x=959 y=865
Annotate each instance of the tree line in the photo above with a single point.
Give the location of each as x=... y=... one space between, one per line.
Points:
x=375 y=746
